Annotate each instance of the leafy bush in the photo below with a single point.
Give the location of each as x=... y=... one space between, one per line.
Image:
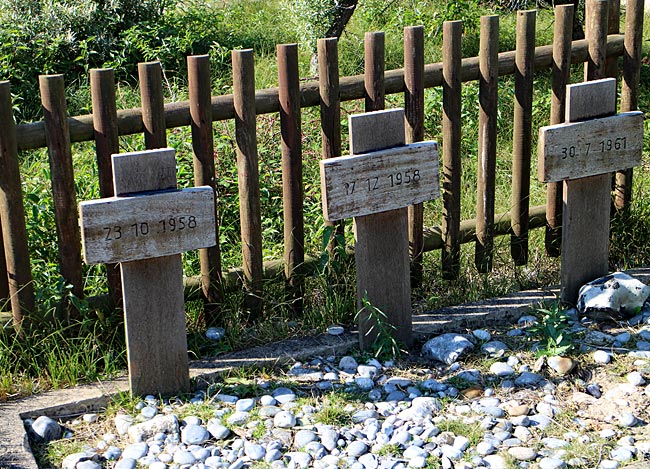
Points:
x=62 y=36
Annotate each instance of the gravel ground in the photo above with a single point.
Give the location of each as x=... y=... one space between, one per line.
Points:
x=496 y=404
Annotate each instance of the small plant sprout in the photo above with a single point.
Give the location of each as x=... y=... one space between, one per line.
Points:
x=384 y=346
x=552 y=330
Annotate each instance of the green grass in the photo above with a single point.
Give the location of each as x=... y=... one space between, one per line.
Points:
x=55 y=352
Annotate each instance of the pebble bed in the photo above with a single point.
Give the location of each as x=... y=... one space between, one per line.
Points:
x=448 y=416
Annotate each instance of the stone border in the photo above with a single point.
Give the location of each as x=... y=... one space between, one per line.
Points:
x=16 y=454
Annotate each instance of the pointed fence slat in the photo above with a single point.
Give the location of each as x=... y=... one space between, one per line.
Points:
x=451 y=138
x=153 y=105
x=62 y=176
x=12 y=214
x=330 y=121
x=414 y=115
x=487 y=142
x=102 y=90
x=630 y=89
x=243 y=71
x=198 y=73
x=561 y=70
x=292 y=189
x=522 y=135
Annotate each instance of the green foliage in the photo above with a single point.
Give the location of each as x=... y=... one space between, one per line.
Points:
x=62 y=36
x=384 y=345
x=552 y=330
x=333 y=410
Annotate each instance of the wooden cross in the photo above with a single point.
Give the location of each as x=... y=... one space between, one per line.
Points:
x=145 y=227
x=375 y=184
x=583 y=152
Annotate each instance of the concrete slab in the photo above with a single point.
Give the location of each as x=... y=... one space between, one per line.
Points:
x=68 y=403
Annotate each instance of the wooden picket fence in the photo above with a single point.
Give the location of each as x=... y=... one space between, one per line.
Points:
x=600 y=51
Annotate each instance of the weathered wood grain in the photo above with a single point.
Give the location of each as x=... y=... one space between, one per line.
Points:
x=380 y=130
x=576 y=150
x=595 y=99
x=359 y=185
x=122 y=229
x=154 y=319
x=143 y=171
x=62 y=177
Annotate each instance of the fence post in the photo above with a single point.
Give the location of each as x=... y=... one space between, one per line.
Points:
x=373 y=78
x=330 y=119
x=153 y=105
x=292 y=189
x=487 y=141
x=596 y=14
x=414 y=114
x=451 y=137
x=562 y=34
x=613 y=27
x=102 y=90
x=63 y=191
x=521 y=151
x=12 y=214
x=630 y=89
x=243 y=73
x=198 y=74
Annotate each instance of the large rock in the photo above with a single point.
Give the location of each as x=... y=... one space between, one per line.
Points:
x=161 y=424
x=618 y=293
x=447 y=348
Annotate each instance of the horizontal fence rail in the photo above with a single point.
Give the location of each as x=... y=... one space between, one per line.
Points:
x=599 y=52
x=32 y=136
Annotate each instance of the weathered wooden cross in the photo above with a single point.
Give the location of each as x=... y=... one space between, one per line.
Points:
x=583 y=152
x=375 y=184
x=145 y=227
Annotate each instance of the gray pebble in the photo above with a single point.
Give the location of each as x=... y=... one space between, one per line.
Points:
x=245 y=405
x=194 y=435
x=303 y=437
x=217 y=430
x=501 y=369
x=284 y=395
x=551 y=463
x=627 y=419
x=357 y=448
x=484 y=448
x=184 y=457
x=125 y=463
x=136 y=450
x=522 y=453
x=273 y=455
x=254 y=451
x=284 y=419
x=348 y=364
